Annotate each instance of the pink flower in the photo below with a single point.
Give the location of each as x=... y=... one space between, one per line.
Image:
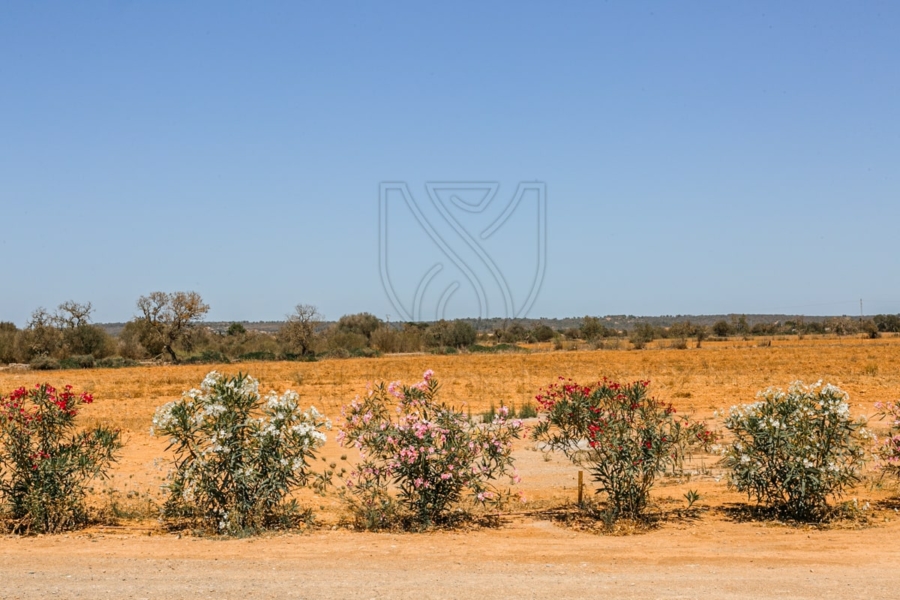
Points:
x=428 y=375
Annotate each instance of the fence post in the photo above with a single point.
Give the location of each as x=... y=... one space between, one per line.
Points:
x=580 y=487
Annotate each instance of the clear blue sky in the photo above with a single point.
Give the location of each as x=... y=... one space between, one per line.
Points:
x=699 y=157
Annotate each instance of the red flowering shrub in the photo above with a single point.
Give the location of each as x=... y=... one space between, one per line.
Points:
x=45 y=465
x=621 y=434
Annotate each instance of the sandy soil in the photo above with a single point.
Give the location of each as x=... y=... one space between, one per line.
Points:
x=527 y=558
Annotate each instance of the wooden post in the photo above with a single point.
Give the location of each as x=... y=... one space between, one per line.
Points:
x=580 y=487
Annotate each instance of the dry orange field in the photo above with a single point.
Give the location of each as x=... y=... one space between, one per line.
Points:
x=710 y=554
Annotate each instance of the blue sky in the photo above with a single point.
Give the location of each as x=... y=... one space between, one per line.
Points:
x=698 y=157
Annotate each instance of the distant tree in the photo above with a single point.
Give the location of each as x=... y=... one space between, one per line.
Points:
x=79 y=336
x=71 y=314
x=236 y=329
x=887 y=323
x=462 y=334
x=573 y=333
x=681 y=330
x=814 y=327
x=512 y=334
x=8 y=332
x=166 y=318
x=40 y=337
x=721 y=328
x=700 y=334
x=456 y=334
x=299 y=332
x=842 y=325
x=591 y=328
x=386 y=339
x=641 y=335
x=130 y=344
x=764 y=329
x=739 y=325
x=543 y=333
x=870 y=329
x=362 y=323
x=685 y=329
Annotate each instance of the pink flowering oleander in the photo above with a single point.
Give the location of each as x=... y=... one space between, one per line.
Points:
x=888 y=450
x=423 y=456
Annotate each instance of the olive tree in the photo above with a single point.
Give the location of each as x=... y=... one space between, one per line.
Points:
x=166 y=318
x=299 y=332
x=79 y=336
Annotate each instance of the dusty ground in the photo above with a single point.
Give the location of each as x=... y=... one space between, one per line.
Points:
x=703 y=554
x=711 y=558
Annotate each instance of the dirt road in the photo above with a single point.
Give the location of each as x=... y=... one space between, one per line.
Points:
x=527 y=558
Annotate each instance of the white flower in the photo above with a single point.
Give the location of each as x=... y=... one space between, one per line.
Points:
x=210 y=381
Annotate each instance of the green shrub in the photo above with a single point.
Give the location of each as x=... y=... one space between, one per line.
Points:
x=260 y=355
x=44 y=363
x=291 y=356
x=237 y=455
x=528 y=411
x=793 y=450
x=45 y=464
x=631 y=438
x=421 y=457
x=443 y=350
x=643 y=334
x=365 y=353
x=78 y=361
x=478 y=348
x=341 y=339
x=8 y=332
x=116 y=362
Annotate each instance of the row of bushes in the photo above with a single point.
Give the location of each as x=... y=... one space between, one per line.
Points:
x=238 y=455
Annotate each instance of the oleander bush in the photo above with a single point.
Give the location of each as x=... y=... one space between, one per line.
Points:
x=46 y=463
x=237 y=455
x=793 y=450
x=623 y=436
x=887 y=449
x=421 y=460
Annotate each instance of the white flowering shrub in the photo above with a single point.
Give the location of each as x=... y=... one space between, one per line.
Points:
x=793 y=450
x=237 y=455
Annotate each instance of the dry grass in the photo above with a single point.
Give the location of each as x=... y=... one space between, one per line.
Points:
x=715 y=376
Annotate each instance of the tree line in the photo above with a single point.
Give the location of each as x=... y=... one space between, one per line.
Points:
x=169 y=327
